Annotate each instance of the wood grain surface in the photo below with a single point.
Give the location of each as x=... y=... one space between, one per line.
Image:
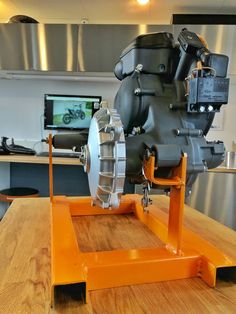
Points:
x=223 y=170
x=25 y=264
x=39 y=160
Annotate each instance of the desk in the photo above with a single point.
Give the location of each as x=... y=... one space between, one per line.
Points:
x=223 y=170
x=38 y=160
x=25 y=265
x=32 y=171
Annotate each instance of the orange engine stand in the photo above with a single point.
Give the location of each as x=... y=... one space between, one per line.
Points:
x=184 y=254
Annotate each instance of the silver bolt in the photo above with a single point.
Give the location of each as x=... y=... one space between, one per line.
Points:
x=137 y=91
x=139 y=67
x=202 y=109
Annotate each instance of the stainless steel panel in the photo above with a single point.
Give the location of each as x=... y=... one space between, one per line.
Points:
x=90 y=48
x=42 y=47
x=230 y=160
x=214 y=194
x=220 y=38
x=232 y=45
x=101 y=45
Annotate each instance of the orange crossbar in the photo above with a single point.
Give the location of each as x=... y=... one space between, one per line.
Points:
x=137 y=266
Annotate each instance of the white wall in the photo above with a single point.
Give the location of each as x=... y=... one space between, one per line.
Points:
x=22 y=104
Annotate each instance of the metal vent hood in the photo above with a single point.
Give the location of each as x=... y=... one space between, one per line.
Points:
x=87 y=50
x=38 y=47
x=65 y=49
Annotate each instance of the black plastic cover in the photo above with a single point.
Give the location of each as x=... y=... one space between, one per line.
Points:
x=207 y=90
x=218 y=62
x=189 y=41
x=152 y=40
x=155 y=53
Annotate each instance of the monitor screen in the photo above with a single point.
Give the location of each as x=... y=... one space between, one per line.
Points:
x=69 y=112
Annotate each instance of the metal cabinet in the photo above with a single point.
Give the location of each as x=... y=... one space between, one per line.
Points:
x=214 y=194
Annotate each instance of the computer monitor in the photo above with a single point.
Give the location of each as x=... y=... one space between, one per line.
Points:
x=69 y=112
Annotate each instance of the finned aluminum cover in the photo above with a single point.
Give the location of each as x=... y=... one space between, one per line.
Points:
x=106 y=158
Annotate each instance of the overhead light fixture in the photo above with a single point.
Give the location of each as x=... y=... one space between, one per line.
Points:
x=143 y=2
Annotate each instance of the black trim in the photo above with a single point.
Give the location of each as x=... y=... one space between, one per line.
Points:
x=204 y=19
x=66 y=292
x=226 y=273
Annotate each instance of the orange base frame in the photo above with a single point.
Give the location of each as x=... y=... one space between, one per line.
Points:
x=99 y=270
x=184 y=254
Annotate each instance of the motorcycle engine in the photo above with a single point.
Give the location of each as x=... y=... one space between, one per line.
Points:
x=165 y=106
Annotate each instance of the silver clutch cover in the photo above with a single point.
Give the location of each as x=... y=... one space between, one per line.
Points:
x=105 y=158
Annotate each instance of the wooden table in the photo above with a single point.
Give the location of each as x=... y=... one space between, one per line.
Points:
x=25 y=264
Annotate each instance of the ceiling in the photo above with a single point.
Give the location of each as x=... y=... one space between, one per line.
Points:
x=110 y=12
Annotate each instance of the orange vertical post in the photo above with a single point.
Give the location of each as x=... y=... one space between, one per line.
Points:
x=177 y=194
x=50 y=168
x=176 y=208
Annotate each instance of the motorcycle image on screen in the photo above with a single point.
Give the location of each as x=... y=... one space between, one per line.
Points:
x=73 y=114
